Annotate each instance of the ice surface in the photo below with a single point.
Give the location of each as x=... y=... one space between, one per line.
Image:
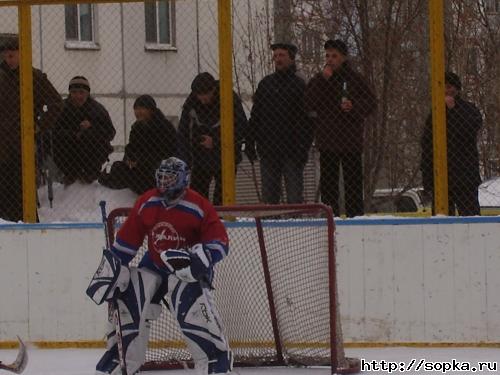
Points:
x=82 y=362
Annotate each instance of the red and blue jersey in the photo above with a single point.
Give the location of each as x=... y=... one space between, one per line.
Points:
x=191 y=220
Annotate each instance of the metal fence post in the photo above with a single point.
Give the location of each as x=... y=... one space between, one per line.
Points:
x=27 y=114
x=226 y=102
x=436 y=25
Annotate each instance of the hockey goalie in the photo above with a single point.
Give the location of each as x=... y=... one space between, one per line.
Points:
x=186 y=239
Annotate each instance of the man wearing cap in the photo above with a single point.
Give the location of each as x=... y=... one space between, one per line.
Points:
x=82 y=135
x=199 y=134
x=47 y=106
x=340 y=101
x=463 y=122
x=152 y=138
x=279 y=130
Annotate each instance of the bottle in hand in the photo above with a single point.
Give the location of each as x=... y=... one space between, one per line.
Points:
x=345 y=93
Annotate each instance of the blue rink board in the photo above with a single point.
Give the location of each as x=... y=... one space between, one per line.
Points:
x=289 y=223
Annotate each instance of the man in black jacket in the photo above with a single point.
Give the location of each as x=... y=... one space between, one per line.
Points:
x=199 y=134
x=152 y=139
x=463 y=122
x=340 y=100
x=47 y=105
x=279 y=129
x=82 y=136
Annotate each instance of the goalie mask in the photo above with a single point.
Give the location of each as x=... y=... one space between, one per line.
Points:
x=172 y=179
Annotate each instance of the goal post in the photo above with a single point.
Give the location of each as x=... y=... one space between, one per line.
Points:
x=276 y=291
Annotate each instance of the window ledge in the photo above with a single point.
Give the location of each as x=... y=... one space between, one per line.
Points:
x=159 y=47
x=79 y=45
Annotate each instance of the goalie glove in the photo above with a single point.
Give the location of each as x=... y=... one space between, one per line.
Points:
x=109 y=277
x=190 y=265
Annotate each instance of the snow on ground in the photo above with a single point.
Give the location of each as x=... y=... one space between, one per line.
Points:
x=82 y=361
x=80 y=202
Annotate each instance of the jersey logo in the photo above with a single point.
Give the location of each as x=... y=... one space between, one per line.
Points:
x=164 y=236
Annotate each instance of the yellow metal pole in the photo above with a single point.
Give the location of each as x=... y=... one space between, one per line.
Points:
x=226 y=102
x=436 y=21
x=27 y=115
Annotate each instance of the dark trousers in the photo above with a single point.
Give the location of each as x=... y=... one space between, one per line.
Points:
x=80 y=159
x=201 y=177
x=462 y=198
x=11 y=191
x=272 y=170
x=137 y=179
x=352 y=168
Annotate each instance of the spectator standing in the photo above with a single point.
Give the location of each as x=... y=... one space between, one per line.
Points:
x=279 y=130
x=83 y=134
x=340 y=100
x=200 y=137
x=463 y=122
x=152 y=139
x=47 y=107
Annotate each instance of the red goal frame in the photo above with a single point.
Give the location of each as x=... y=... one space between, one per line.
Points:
x=264 y=211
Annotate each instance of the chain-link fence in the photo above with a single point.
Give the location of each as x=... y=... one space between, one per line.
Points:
x=332 y=103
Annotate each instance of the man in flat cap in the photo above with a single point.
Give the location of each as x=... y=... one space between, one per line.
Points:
x=279 y=131
x=47 y=107
x=199 y=134
x=82 y=135
x=340 y=100
x=463 y=122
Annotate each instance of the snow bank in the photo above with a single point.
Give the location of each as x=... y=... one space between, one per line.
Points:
x=2 y=221
x=80 y=202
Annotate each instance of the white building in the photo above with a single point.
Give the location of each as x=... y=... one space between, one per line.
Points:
x=157 y=47
x=128 y=49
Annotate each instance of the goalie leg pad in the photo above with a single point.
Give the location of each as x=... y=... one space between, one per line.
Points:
x=200 y=323
x=136 y=313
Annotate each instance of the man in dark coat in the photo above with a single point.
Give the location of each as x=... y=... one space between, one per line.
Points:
x=47 y=107
x=82 y=136
x=340 y=100
x=152 y=139
x=463 y=122
x=279 y=129
x=200 y=137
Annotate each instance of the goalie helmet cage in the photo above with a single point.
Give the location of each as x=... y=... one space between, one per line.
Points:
x=276 y=291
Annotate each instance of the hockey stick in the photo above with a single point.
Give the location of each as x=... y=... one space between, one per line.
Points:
x=114 y=304
x=18 y=366
x=255 y=182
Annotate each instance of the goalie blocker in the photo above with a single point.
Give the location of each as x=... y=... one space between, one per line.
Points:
x=185 y=239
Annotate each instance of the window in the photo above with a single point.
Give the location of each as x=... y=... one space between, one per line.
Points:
x=80 y=23
x=492 y=6
x=311 y=45
x=160 y=21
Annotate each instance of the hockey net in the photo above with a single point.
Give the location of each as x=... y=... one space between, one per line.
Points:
x=276 y=291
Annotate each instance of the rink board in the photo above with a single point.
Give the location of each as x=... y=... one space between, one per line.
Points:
x=400 y=281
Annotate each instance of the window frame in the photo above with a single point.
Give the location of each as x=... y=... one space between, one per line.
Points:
x=78 y=43
x=492 y=7
x=311 y=45
x=159 y=46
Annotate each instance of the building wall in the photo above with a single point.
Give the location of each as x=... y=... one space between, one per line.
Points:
x=121 y=68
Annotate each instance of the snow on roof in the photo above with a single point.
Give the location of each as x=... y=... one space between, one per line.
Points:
x=489 y=193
